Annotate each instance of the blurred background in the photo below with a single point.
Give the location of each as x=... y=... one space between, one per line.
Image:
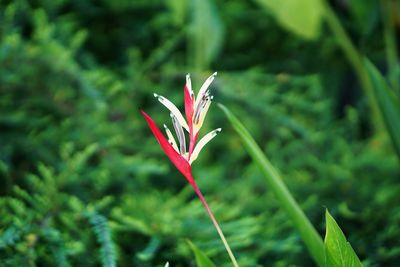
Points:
x=84 y=183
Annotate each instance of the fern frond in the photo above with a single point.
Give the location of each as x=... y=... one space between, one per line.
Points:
x=55 y=243
x=103 y=234
x=22 y=194
x=11 y=236
x=16 y=206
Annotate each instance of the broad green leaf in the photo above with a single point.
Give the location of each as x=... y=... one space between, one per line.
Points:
x=301 y=17
x=178 y=9
x=274 y=181
x=201 y=259
x=338 y=251
x=205 y=33
x=389 y=104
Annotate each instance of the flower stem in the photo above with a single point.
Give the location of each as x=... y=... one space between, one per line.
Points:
x=221 y=234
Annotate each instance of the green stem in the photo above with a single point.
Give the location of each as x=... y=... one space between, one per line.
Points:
x=221 y=234
x=390 y=43
x=356 y=60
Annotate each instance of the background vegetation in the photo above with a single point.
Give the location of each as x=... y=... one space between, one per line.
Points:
x=85 y=184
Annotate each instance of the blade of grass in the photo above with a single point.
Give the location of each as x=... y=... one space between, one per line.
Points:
x=389 y=31
x=308 y=233
x=389 y=104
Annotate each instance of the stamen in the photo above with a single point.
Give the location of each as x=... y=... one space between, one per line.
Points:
x=174 y=110
x=180 y=134
x=204 y=88
x=203 y=114
x=203 y=103
x=189 y=85
x=203 y=141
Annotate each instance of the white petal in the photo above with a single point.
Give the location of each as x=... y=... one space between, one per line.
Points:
x=189 y=85
x=203 y=141
x=167 y=264
x=203 y=88
x=174 y=110
x=171 y=138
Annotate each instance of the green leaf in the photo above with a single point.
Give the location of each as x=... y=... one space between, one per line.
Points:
x=338 y=251
x=178 y=10
x=201 y=259
x=300 y=17
x=274 y=181
x=206 y=32
x=389 y=104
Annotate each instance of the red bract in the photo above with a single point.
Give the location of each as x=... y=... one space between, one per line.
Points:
x=180 y=163
x=189 y=102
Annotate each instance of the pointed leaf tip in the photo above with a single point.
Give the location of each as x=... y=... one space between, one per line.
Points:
x=338 y=251
x=202 y=260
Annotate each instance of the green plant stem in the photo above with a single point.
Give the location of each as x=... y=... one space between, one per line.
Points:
x=221 y=234
x=390 y=43
x=356 y=60
x=307 y=231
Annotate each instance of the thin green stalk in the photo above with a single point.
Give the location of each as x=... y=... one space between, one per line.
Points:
x=221 y=234
x=390 y=43
x=307 y=231
x=355 y=59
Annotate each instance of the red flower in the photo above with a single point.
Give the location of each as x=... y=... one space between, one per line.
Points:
x=181 y=156
x=180 y=162
x=195 y=110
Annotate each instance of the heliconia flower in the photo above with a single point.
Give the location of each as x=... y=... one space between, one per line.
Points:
x=182 y=153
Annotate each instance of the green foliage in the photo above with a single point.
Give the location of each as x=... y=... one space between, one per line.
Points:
x=337 y=250
x=35 y=215
x=72 y=144
x=275 y=182
x=389 y=105
x=103 y=235
x=201 y=259
x=205 y=33
x=301 y=17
